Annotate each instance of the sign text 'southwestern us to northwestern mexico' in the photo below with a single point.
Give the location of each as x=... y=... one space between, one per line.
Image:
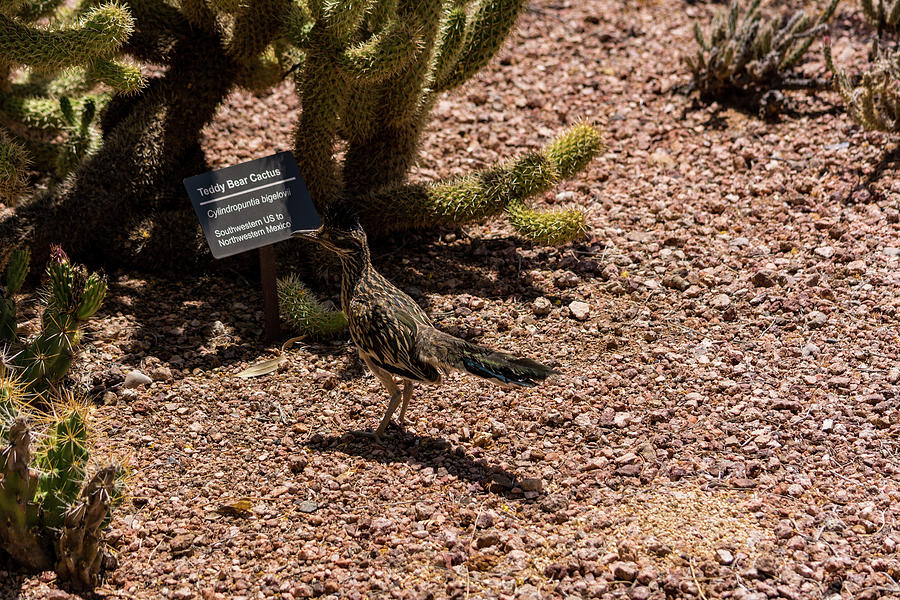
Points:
x=252 y=204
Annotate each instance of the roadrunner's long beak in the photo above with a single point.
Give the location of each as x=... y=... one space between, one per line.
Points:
x=309 y=235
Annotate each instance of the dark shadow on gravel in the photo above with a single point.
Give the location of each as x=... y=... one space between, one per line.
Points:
x=404 y=446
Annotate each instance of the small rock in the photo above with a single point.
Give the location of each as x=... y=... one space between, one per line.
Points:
x=816 y=319
x=580 y=310
x=810 y=349
x=110 y=398
x=554 y=503
x=722 y=301
x=827 y=424
x=763 y=278
x=532 y=484
x=161 y=373
x=891 y=251
x=136 y=379
x=491 y=538
x=567 y=196
x=857 y=267
x=824 y=251
x=724 y=556
x=624 y=571
x=541 y=306
x=308 y=506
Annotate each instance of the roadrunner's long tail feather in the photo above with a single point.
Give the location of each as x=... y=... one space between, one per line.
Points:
x=450 y=353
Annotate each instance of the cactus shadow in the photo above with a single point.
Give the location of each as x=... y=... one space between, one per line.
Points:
x=404 y=446
x=488 y=268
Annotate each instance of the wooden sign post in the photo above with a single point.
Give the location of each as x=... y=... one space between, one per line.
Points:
x=254 y=205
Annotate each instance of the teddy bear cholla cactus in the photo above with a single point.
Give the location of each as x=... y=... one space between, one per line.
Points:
x=873 y=102
x=49 y=78
x=753 y=53
x=71 y=296
x=367 y=73
x=51 y=513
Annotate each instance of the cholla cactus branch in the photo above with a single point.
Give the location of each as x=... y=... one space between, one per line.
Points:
x=493 y=191
x=100 y=33
x=304 y=313
x=14 y=160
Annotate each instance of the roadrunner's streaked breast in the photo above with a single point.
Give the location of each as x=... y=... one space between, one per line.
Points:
x=395 y=337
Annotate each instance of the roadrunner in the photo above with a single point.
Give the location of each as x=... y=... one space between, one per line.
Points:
x=395 y=337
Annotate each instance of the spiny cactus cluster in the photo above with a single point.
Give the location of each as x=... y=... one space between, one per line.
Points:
x=49 y=78
x=371 y=75
x=52 y=511
x=874 y=100
x=367 y=73
x=304 y=313
x=71 y=296
x=884 y=15
x=753 y=53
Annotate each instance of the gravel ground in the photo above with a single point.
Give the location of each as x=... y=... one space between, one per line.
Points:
x=727 y=420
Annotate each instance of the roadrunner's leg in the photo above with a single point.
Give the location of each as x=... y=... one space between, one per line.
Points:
x=388 y=382
x=407 y=394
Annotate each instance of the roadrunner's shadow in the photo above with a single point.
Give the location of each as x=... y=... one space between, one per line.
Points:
x=405 y=446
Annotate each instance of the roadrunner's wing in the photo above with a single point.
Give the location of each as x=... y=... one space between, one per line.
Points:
x=387 y=334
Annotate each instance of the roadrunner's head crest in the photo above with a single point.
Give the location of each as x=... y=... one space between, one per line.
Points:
x=340 y=232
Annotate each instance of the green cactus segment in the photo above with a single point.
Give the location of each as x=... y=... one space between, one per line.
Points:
x=343 y=17
x=547 y=228
x=752 y=53
x=66 y=457
x=305 y=313
x=575 y=148
x=449 y=46
x=100 y=33
x=72 y=296
x=490 y=23
x=384 y=55
x=494 y=190
x=79 y=549
x=14 y=160
x=48 y=516
x=882 y=14
x=873 y=102
x=18 y=512
x=122 y=77
x=255 y=28
x=16 y=271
